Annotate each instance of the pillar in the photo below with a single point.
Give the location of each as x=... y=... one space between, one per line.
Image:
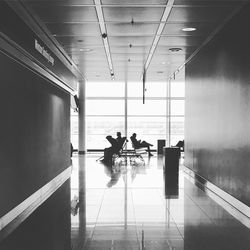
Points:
x=82 y=119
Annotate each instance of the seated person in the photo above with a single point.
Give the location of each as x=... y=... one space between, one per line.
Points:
x=140 y=144
x=180 y=144
x=120 y=140
x=108 y=152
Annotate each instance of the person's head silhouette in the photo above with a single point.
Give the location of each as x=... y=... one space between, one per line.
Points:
x=118 y=134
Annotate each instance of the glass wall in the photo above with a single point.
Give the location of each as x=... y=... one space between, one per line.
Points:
x=117 y=106
x=74 y=128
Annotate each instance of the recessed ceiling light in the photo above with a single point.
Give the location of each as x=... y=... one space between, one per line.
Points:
x=188 y=29
x=80 y=40
x=159 y=72
x=175 y=49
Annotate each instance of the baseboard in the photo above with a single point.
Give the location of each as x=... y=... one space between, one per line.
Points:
x=17 y=215
x=237 y=208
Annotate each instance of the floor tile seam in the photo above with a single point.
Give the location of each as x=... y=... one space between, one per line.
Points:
x=164 y=203
x=97 y=216
x=182 y=236
x=136 y=228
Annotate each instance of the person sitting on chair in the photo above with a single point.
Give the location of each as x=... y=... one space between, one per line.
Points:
x=140 y=144
x=180 y=145
x=108 y=152
x=120 y=140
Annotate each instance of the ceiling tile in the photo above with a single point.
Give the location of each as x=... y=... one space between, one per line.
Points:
x=166 y=50
x=180 y=41
x=128 y=29
x=127 y=50
x=133 y=2
x=83 y=40
x=208 y=2
x=199 y=14
x=158 y=59
x=64 y=14
x=203 y=29
x=60 y=2
x=138 y=14
x=134 y=40
x=69 y=29
x=132 y=57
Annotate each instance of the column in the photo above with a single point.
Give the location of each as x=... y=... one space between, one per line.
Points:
x=82 y=119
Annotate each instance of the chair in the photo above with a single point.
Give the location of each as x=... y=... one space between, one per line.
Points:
x=118 y=150
x=137 y=152
x=121 y=152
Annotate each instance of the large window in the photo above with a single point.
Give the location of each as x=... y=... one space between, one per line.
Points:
x=117 y=106
x=74 y=128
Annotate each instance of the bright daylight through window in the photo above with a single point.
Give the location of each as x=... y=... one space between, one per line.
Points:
x=117 y=106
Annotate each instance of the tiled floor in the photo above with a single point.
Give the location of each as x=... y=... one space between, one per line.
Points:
x=124 y=207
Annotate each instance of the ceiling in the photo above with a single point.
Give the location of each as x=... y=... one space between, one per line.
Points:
x=140 y=33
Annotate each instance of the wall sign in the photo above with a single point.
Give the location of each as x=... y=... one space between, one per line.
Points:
x=44 y=52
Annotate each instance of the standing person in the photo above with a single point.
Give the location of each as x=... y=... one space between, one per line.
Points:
x=140 y=144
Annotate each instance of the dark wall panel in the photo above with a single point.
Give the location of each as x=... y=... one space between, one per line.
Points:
x=34 y=132
x=217 y=109
x=48 y=228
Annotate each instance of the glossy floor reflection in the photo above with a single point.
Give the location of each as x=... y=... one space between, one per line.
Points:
x=125 y=207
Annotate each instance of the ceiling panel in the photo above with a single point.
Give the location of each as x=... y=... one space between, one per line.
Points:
x=207 y=2
x=128 y=67
x=128 y=29
x=166 y=50
x=130 y=50
x=88 y=57
x=132 y=57
x=86 y=51
x=61 y=2
x=199 y=14
x=167 y=59
x=180 y=41
x=137 y=14
x=64 y=14
x=133 y=2
x=83 y=40
x=202 y=28
x=134 y=40
x=69 y=29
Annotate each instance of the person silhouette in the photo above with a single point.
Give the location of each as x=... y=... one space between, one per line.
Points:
x=108 y=152
x=140 y=144
x=120 y=140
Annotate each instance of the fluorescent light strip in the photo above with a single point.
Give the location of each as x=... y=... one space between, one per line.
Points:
x=159 y=32
x=100 y=17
